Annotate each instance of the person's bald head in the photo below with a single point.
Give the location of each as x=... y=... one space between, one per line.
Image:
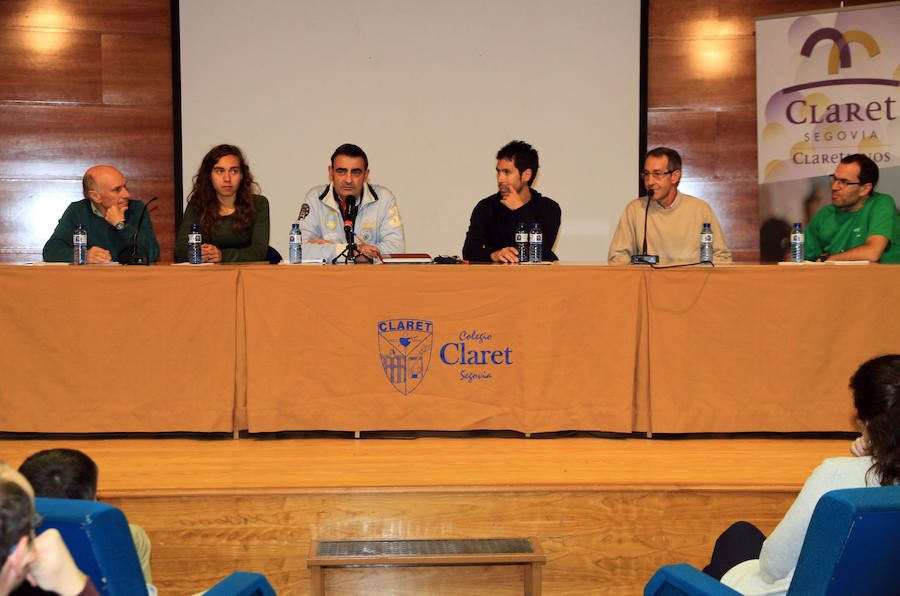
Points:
x=90 y=180
x=105 y=186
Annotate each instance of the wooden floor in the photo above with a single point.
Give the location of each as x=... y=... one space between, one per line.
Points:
x=607 y=511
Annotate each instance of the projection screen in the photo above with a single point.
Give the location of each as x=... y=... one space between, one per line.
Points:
x=431 y=91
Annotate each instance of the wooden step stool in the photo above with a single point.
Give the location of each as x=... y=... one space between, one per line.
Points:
x=413 y=553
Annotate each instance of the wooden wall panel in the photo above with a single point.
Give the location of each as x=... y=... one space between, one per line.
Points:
x=84 y=82
x=124 y=16
x=137 y=70
x=596 y=541
x=608 y=512
x=23 y=232
x=724 y=18
x=736 y=144
x=50 y=66
x=735 y=205
x=58 y=141
x=692 y=133
x=702 y=73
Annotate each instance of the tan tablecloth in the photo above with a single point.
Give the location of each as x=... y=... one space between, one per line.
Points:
x=765 y=348
x=210 y=349
x=116 y=349
x=560 y=344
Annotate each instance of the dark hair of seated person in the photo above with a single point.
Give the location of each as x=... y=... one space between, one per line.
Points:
x=15 y=516
x=205 y=201
x=876 y=395
x=61 y=474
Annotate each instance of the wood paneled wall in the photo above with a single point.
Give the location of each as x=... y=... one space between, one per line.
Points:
x=83 y=82
x=701 y=100
x=597 y=542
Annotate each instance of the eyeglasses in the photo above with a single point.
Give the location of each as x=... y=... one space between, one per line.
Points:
x=654 y=175
x=842 y=182
x=36 y=520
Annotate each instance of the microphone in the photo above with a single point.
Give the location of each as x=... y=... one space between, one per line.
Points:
x=646 y=212
x=350 y=201
x=304 y=211
x=134 y=258
x=644 y=258
x=348 y=231
x=351 y=207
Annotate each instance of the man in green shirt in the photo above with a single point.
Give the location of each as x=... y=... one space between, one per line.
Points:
x=860 y=224
x=110 y=218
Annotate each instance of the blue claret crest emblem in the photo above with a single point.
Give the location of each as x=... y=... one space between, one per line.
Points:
x=405 y=347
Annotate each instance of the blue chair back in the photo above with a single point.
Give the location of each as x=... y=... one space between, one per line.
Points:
x=98 y=537
x=852 y=546
x=242 y=583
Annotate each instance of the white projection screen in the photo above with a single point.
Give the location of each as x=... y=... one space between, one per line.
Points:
x=431 y=91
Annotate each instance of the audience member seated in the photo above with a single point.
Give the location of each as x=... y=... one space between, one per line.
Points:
x=745 y=560
x=72 y=474
x=44 y=561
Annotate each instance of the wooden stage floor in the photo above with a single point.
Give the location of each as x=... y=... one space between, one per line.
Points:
x=607 y=511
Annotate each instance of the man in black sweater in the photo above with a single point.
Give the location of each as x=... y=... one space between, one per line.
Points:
x=492 y=227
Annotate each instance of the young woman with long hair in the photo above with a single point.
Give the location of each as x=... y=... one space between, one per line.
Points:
x=233 y=217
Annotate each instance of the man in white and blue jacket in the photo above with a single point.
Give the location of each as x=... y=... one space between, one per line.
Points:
x=371 y=211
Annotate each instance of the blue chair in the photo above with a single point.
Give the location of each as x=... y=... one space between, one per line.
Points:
x=852 y=546
x=98 y=537
x=242 y=583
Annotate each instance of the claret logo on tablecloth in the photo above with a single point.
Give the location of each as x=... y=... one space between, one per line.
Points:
x=405 y=348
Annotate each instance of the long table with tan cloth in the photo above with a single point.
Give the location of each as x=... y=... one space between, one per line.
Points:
x=765 y=348
x=116 y=349
x=523 y=348
x=531 y=349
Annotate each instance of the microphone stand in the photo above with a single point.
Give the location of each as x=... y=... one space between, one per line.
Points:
x=350 y=252
x=644 y=258
x=134 y=258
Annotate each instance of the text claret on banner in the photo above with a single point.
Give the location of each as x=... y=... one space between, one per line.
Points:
x=827 y=86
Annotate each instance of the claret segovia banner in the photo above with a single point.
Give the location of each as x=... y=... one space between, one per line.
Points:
x=826 y=87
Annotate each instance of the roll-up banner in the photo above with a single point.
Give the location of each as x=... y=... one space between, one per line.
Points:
x=827 y=86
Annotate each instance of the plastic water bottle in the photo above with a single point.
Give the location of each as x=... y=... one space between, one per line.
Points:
x=798 y=241
x=296 y=245
x=522 y=242
x=79 y=246
x=706 y=244
x=535 y=240
x=195 y=240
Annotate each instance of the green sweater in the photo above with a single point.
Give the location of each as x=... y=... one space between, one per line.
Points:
x=833 y=231
x=101 y=233
x=250 y=245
